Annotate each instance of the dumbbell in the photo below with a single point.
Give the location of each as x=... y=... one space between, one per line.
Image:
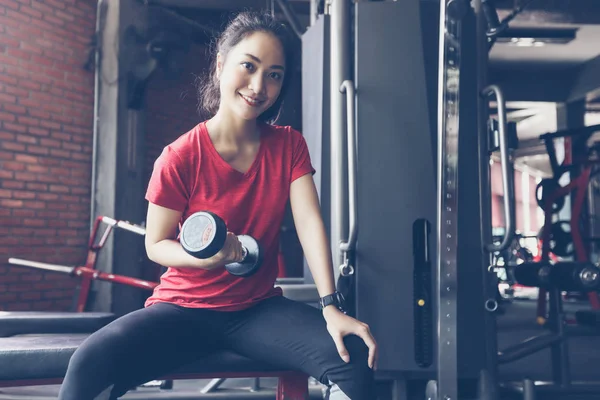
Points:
x=203 y=235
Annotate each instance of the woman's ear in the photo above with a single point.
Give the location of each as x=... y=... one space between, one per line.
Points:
x=219 y=65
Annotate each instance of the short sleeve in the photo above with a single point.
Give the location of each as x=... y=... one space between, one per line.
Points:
x=167 y=186
x=301 y=163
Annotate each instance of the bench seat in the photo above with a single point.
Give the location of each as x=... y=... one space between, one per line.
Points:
x=46 y=357
x=27 y=322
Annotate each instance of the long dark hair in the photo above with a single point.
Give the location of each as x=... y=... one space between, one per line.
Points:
x=242 y=26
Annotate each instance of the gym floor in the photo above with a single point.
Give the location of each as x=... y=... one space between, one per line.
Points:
x=515 y=325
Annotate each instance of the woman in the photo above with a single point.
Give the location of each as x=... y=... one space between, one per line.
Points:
x=244 y=169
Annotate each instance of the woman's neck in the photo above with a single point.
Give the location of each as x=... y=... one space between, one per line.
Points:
x=233 y=129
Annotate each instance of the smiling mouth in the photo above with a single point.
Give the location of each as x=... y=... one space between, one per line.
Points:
x=252 y=102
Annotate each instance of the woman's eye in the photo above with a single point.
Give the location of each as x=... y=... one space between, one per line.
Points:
x=248 y=66
x=276 y=75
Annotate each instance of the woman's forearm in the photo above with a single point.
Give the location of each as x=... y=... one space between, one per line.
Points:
x=170 y=253
x=311 y=233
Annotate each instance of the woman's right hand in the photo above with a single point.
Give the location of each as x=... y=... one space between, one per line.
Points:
x=231 y=251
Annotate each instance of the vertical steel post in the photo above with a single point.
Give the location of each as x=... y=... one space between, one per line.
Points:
x=339 y=11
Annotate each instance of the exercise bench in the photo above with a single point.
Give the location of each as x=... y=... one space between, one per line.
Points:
x=35 y=349
x=42 y=359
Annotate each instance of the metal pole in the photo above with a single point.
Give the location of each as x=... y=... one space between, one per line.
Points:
x=290 y=15
x=447 y=197
x=489 y=388
x=100 y=15
x=340 y=71
x=314 y=11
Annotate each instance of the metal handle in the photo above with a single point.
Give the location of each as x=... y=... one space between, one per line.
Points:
x=507 y=177
x=140 y=230
x=41 y=265
x=348 y=88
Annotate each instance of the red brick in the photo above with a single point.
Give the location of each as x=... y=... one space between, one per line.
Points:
x=23 y=195
x=14 y=127
x=42 y=60
x=6 y=98
x=30 y=11
x=5 y=174
x=37 y=150
x=4 y=116
x=13 y=108
x=13 y=146
x=39 y=5
x=12 y=4
x=30 y=296
x=6 y=22
x=59 y=4
x=10 y=80
x=26 y=139
x=53 y=20
x=25 y=176
x=19 y=54
x=13 y=184
x=6 y=136
x=38 y=131
x=26 y=158
x=17 y=91
x=18 y=16
x=6 y=59
x=36 y=168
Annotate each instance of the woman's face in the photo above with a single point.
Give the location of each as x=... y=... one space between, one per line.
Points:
x=251 y=75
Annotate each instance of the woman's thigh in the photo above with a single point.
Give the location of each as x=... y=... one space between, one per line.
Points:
x=138 y=347
x=294 y=335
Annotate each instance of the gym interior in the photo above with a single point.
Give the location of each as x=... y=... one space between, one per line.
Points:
x=455 y=149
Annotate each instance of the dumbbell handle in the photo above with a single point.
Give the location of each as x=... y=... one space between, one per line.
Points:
x=244 y=253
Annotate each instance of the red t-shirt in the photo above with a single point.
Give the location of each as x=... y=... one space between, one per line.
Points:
x=191 y=176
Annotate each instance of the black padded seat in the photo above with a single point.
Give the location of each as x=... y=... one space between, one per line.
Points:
x=33 y=357
x=26 y=322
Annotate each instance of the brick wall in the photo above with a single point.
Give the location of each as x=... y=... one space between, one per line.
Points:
x=46 y=110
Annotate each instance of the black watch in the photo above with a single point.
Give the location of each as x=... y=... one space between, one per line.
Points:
x=336 y=299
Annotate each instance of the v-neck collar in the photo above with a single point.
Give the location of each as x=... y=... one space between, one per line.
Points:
x=255 y=163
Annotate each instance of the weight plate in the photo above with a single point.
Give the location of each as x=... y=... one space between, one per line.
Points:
x=203 y=234
x=561 y=240
x=544 y=189
x=251 y=263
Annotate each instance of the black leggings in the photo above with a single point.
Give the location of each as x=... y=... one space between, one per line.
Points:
x=150 y=342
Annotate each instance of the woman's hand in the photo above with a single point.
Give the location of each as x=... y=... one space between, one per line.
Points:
x=231 y=251
x=340 y=325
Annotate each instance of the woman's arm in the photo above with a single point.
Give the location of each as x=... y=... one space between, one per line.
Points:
x=311 y=233
x=306 y=212
x=163 y=248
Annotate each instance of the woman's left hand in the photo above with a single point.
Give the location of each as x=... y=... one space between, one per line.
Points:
x=340 y=325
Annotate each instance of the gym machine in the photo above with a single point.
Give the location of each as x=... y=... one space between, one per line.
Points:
x=408 y=205
x=369 y=116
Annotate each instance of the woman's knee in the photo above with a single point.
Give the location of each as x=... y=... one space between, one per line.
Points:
x=354 y=379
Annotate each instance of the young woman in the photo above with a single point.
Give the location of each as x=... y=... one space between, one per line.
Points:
x=242 y=167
